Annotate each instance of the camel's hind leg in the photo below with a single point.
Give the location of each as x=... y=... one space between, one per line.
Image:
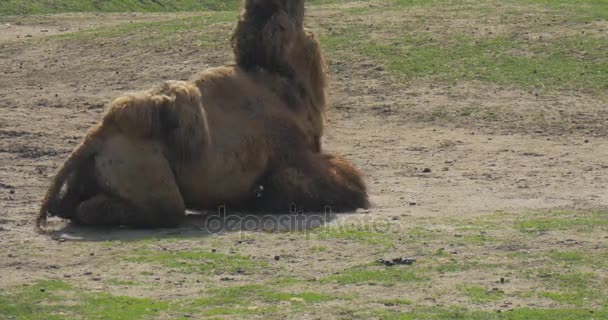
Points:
x=139 y=187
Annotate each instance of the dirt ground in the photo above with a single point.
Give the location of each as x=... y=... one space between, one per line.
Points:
x=416 y=165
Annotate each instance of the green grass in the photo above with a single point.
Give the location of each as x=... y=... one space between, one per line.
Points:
x=254 y=299
x=578 y=221
x=459 y=313
x=59 y=300
x=575 y=63
x=28 y=7
x=56 y=6
x=160 y=34
x=375 y=275
x=585 y=10
x=480 y=295
x=197 y=262
x=561 y=62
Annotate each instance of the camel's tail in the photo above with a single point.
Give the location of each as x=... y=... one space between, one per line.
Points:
x=84 y=151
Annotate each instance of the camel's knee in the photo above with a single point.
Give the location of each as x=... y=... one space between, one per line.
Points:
x=320 y=182
x=342 y=183
x=106 y=210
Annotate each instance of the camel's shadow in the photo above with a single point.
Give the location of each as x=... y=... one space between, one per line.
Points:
x=204 y=224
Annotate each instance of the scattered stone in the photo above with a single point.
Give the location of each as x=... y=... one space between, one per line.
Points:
x=96 y=279
x=277 y=258
x=88 y=273
x=426 y=170
x=214 y=250
x=396 y=261
x=42 y=290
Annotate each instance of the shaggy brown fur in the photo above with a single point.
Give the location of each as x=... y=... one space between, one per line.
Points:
x=213 y=140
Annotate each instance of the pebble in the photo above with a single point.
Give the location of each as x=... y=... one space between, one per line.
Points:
x=396 y=261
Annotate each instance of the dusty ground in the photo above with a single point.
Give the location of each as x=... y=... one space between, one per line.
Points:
x=418 y=166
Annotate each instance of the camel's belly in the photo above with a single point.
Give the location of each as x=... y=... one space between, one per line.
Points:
x=221 y=179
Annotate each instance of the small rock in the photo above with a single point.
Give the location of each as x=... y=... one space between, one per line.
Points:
x=400 y=261
x=42 y=290
x=277 y=258
x=426 y=170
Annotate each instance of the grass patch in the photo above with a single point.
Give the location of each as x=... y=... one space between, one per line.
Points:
x=481 y=295
x=580 y=258
x=568 y=298
x=117 y=282
x=575 y=221
x=563 y=62
x=254 y=299
x=584 y=10
x=59 y=300
x=160 y=34
x=371 y=275
x=199 y=262
x=459 y=313
x=27 y=7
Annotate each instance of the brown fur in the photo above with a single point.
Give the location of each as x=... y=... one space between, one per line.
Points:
x=212 y=141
